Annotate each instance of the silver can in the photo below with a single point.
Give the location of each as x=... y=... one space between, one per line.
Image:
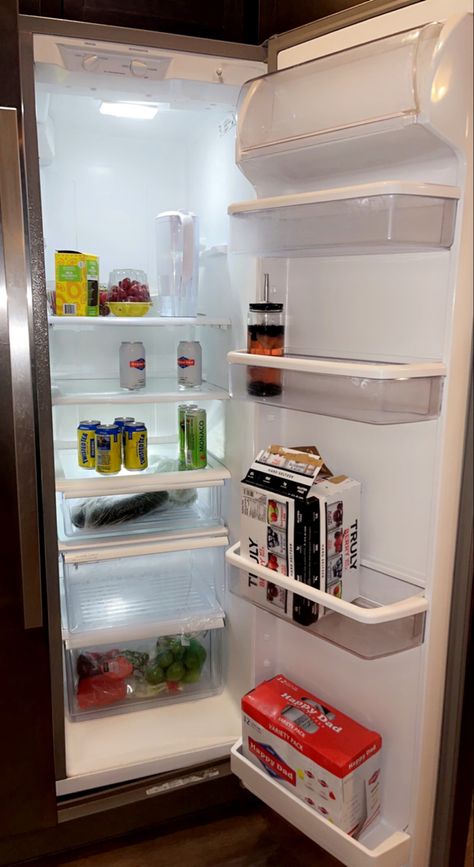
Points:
x=132 y=365
x=189 y=364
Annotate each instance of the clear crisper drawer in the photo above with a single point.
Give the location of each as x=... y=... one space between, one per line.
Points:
x=165 y=513
x=141 y=591
x=372 y=218
x=132 y=675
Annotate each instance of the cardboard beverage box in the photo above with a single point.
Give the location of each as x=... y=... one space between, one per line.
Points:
x=300 y=520
x=77 y=283
x=322 y=756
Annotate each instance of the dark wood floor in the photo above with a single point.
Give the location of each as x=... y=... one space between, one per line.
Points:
x=255 y=838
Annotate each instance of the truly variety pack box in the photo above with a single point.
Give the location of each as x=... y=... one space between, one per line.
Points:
x=324 y=757
x=300 y=520
x=77 y=283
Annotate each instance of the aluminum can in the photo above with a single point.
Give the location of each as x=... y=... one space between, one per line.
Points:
x=108 y=447
x=86 y=444
x=183 y=408
x=132 y=365
x=196 y=439
x=122 y=421
x=189 y=364
x=135 y=446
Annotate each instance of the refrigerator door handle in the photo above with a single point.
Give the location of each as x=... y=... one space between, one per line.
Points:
x=15 y=337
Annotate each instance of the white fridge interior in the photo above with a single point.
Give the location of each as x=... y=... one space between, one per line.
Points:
x=353 y=199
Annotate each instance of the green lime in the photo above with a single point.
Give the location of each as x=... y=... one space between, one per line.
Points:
x=175 y=672
x=192 y=659
x=177 y=649
x=197 y=647
x=164 y=659
x=192 y=676
x=154 y=674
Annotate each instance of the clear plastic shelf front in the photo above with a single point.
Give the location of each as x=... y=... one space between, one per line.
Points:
x=377 y=393
x=370 y=218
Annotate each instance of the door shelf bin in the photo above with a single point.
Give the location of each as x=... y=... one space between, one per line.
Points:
x=132 y=675
x=372 y=392
x=141 y=591
x=388 y=617
x=371 y=218
x=178 y=512
x=379 y=846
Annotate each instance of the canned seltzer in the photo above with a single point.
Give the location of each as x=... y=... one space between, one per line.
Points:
x=135 y=447
x=196 y=439
x=108 y=447
x=183 y=408
x=132 y=365
x=86 y=444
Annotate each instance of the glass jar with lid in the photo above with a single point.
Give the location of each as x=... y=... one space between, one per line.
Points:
x=265 y=336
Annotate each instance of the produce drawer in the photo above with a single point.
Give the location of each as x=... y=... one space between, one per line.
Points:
x=132 y=675
x=176 y=512
x=141 y=591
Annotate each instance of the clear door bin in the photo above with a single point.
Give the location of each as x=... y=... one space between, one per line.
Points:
x=141 y=591
x=133 y=675
x=165 y=513
x=373 y=218
x=377 y=393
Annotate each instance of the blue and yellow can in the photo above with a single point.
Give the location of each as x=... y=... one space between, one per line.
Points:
x=86 y=444
x=135 y=447
x=108 y=447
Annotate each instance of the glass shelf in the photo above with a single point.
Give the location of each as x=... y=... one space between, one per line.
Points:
x=388 y=617
x=79 y=323
x=384 y=217
x=75 y=482
x=102 y=391
x=373 y=392
x=143 y=591
x=104 y=692
x=380 y=845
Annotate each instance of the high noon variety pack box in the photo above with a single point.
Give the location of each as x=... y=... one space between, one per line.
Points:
x=300 y=520
x=77 y=283
x=324 y=757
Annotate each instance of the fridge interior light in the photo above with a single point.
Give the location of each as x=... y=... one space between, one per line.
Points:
x=134 y=110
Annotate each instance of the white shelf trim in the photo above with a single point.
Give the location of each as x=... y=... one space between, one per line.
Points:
x=381 y=188
x=139 y=548
x=341 y=367
x=416 y=604
x=391 y=852
x=80 y=322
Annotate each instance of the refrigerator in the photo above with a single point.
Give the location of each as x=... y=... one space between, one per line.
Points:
x=337 y=160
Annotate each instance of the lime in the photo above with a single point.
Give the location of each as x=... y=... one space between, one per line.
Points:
x=192 y=659
x=164 y=659
x=154 y=674
x=177 y=649
x=192 y=676
x=175 y=671
x=197 y=647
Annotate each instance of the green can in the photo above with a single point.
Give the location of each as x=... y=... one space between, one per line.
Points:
x=196 y=439
x=183 y=408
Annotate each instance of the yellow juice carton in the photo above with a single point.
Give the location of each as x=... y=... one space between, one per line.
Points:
x=77 y=284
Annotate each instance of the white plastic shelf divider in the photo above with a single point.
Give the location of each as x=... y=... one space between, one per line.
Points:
x=102 y=391
x=380 y=846
x=80 y=322
x=368 y=391
x=387 y=216
x=74 y=482
x=137 y=592
x=403 y=608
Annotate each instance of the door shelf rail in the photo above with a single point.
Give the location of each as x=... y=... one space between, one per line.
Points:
x=387 y=617
x=383 y=217
x=364 y=391
x=380 y=846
